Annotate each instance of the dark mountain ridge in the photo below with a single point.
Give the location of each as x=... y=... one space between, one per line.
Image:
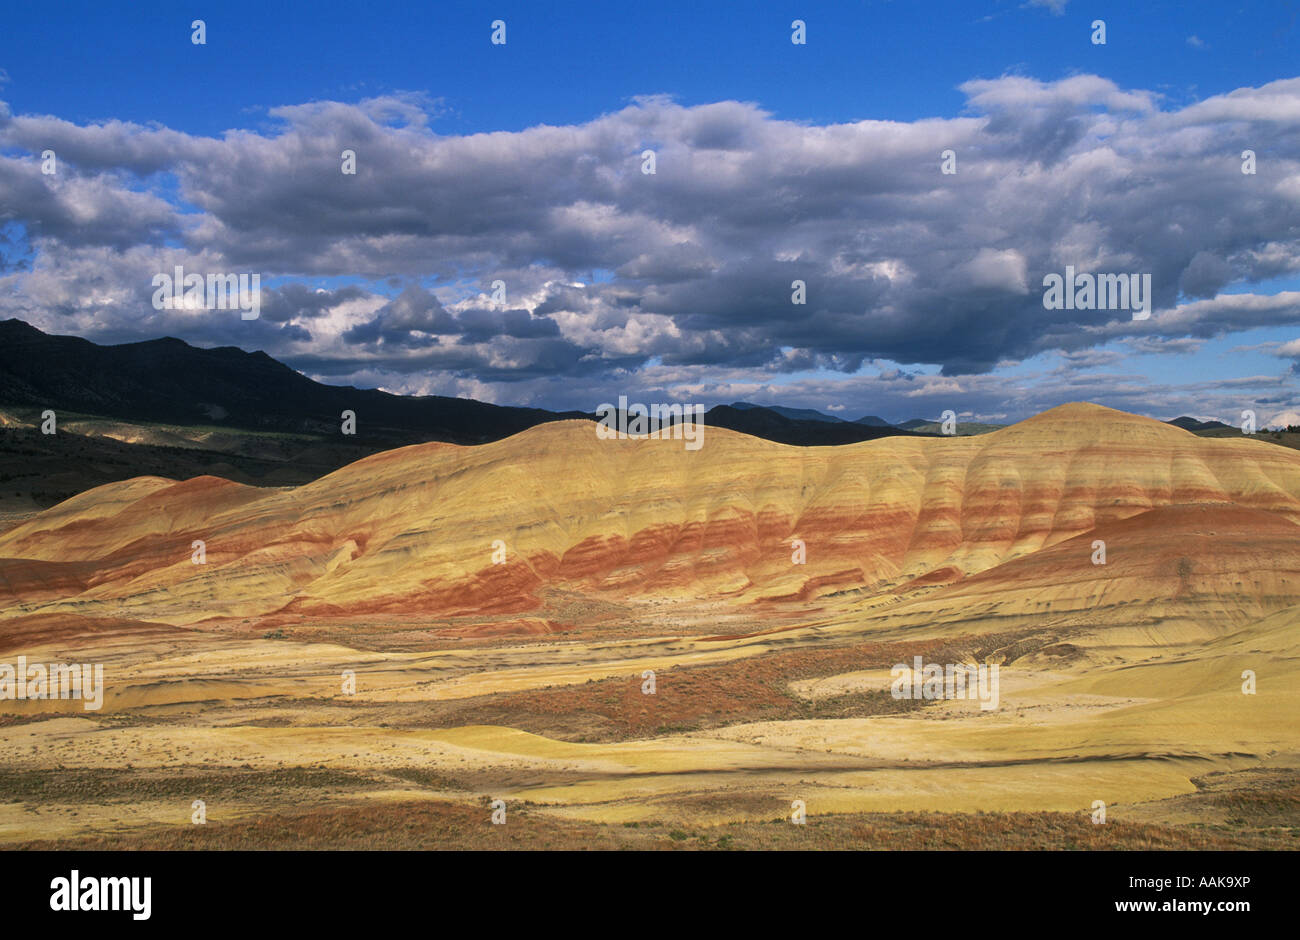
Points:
x=167 y=380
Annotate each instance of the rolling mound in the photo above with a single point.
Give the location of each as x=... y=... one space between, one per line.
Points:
x=1174 y=575
x=26 y=634
x=415 y=530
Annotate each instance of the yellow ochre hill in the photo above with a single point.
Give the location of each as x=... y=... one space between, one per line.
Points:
x=417 y=530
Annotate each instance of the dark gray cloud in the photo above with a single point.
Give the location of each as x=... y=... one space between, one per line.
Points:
x=413 y=314
x=298 y=301
x=612 y=273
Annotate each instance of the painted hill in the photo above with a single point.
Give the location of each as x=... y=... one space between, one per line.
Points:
x=412 y=530
x=1180 y=574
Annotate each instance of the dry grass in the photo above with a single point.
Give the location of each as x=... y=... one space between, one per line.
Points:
x=693 y=698
x=459 y=826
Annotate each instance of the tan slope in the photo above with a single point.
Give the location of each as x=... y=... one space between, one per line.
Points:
x=412 y=530
x=1183 y=574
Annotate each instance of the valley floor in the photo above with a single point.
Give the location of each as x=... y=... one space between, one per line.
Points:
x=742 y=723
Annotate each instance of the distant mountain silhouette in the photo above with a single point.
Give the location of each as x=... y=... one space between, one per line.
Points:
x=170 y=381
x=794 y=414
x=772 y=425
x=1191 y=424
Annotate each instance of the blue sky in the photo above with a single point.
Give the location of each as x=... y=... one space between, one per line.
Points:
x=567 y=62
x=220 y=154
